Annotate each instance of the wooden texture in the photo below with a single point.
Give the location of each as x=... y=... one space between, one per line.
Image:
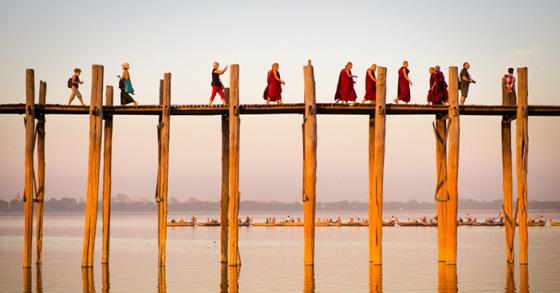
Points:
x=88 y=281
x=233 y=208
x=375 y=278
x=107 y=162
x=92 y=192
x=452 y=169
x=105 y=279
x=224 y=197
x=164 y=171
x=376 y=180
x=162 y=280
x=309 y=279
x=29 y=193
x=507 y=180
x=523 y=277
x=447 y=278
x=40 y=172
x=522 y=152
x=310 y=165
x=441 y=192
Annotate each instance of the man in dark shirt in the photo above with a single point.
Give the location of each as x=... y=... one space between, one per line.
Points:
x=464 y=81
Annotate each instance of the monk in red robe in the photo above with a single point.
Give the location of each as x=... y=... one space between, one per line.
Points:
x=433 y=85
x=345 y=88
x=273 y=90
x=403 y=91
x=370 y=85
x=442 y=85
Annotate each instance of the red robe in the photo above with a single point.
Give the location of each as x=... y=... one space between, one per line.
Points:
x=433 y=80
x=370 y=87
x=273 y=88
x=403 y=91
x=345 y=87
x=442 y=86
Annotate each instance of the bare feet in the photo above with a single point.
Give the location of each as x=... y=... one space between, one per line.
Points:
x=135 y=103
x=396 y=100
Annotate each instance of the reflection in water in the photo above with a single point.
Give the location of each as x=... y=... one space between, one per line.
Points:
x=510 y=279
x=88 y=285
x=309 y=279
x=523 y=278
x=39 y=272
x=224 y=278
x=233 y=276
x=27 y=280
x=162 y=284
x=375 y=278
x=105 y=278
x=447 y=278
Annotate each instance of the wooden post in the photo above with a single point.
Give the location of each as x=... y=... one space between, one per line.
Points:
x=507 y=176
x=452 y=169
x=510 y=278
x=158 y=178
x=105 y=280
x=375 y=278
x=224 y=278
x=447 y=278
x=162 y=280
x=523 y=276
x=27 y=280
x=92 y=193
x=233 y=278
x=39 y=282
x=310 y=165
x=233 y=209
x=441 y=192
x=107 y=161
x=522 y=142
x=29 y=195
x=40 y=171
x=224 y=200
x=376 y=173
x=309 y=279
x=88 y=282
x=164 y=165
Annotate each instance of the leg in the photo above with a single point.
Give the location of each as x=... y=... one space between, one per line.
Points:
x=213 y=95
x=463 y=98
x=222 y=95
x=79 y=95
x=72 y=96
x=267 y=100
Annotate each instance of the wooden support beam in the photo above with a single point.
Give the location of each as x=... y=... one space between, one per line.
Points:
x=92 y=192
x=27 y=280
x=105 y=279
x=310 y=165
x=309 y=279
x=107 y=162
x=233 y=278
x=447 y=278
x=39 y=281
x=375 y=278
x=233 y=209
x=40 y=171
x=523 y=276
x=28 y=194
x=162 y=280
x=376 y=173
x=224 y=198
x=441 y=196
x=452 y=169
x=164 y=165
x=507 y=176
x=522 y=142
x=510 y=278
x=88 y=281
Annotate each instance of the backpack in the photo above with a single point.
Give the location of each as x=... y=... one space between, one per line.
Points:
x=121 y=83
x=70 y=83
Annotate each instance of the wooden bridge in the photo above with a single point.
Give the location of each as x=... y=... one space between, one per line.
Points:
x=446 y=128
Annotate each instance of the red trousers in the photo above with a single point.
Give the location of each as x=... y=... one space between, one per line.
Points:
x=217 y=90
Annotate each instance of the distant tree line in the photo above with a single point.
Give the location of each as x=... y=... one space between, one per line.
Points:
x=121 y=202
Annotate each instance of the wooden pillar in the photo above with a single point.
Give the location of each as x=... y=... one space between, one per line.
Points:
x=375 y=278
x=27 y=280
x=92 y=193
x=522 y=141
x=309 y=279
x=164 y=165
x=28 y=194
x=441 y=192
x=105 y=280
x=452 y=169
x=224 y=198
x=510 y=278
x=233 y=173
x=88 y=282
x=376 y=171
x=162 y=280
x=224 y=278
x=507 y=176
x=39 y=281
x=107 y=162
x=447 y=278
x=40 y=171
x=523 y=278
x=310 y=165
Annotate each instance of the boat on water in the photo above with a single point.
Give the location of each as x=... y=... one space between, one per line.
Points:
x=415 y=224
x=263 y=224
x=209 y=224
x=290 y=224
x=180 y=224
x=554 y=223
x=492 y=224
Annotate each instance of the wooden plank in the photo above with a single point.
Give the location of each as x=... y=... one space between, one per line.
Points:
x=92 y=192
x=224 y=198
x=233 y=209
x=107 y=163
x=441 y=192
x=522 y=152
x=452 y=169
x=507 y=180
x=164 y=164
x=28 y=195
x=310 y=165
x=40 y=171
x=376 y=187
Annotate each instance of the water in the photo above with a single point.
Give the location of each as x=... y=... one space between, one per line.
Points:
x=272 y=259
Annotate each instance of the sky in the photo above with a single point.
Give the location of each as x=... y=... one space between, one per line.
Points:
x=185 y=37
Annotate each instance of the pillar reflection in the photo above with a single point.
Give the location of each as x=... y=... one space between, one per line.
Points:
x=88 y=285
x=27 y=280
x=447 y=278
x=523 y=278
x=375 y=278
x=105 y=278
x=162 y=283
x=39 y=273
x=510 y=279
x=233 y=277
x=308 y=279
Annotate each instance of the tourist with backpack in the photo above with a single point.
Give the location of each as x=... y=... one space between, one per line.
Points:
x=125 y=85
x=73 y=84
x=465 y=80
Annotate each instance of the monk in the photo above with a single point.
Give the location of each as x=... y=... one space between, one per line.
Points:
x=370 y=85
x=345 y=88
x=433 y=85
x=443 y=94
x=273 y=90
x=403 y=91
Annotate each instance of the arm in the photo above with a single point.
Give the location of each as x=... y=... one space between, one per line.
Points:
x=275 y=73
x=220 y=72
x=348 y=73
x=406 y=76
x=371 y=75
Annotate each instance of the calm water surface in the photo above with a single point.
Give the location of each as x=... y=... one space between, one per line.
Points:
x=273 y=259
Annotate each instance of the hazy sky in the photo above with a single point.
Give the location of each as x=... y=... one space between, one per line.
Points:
x=185 y=37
